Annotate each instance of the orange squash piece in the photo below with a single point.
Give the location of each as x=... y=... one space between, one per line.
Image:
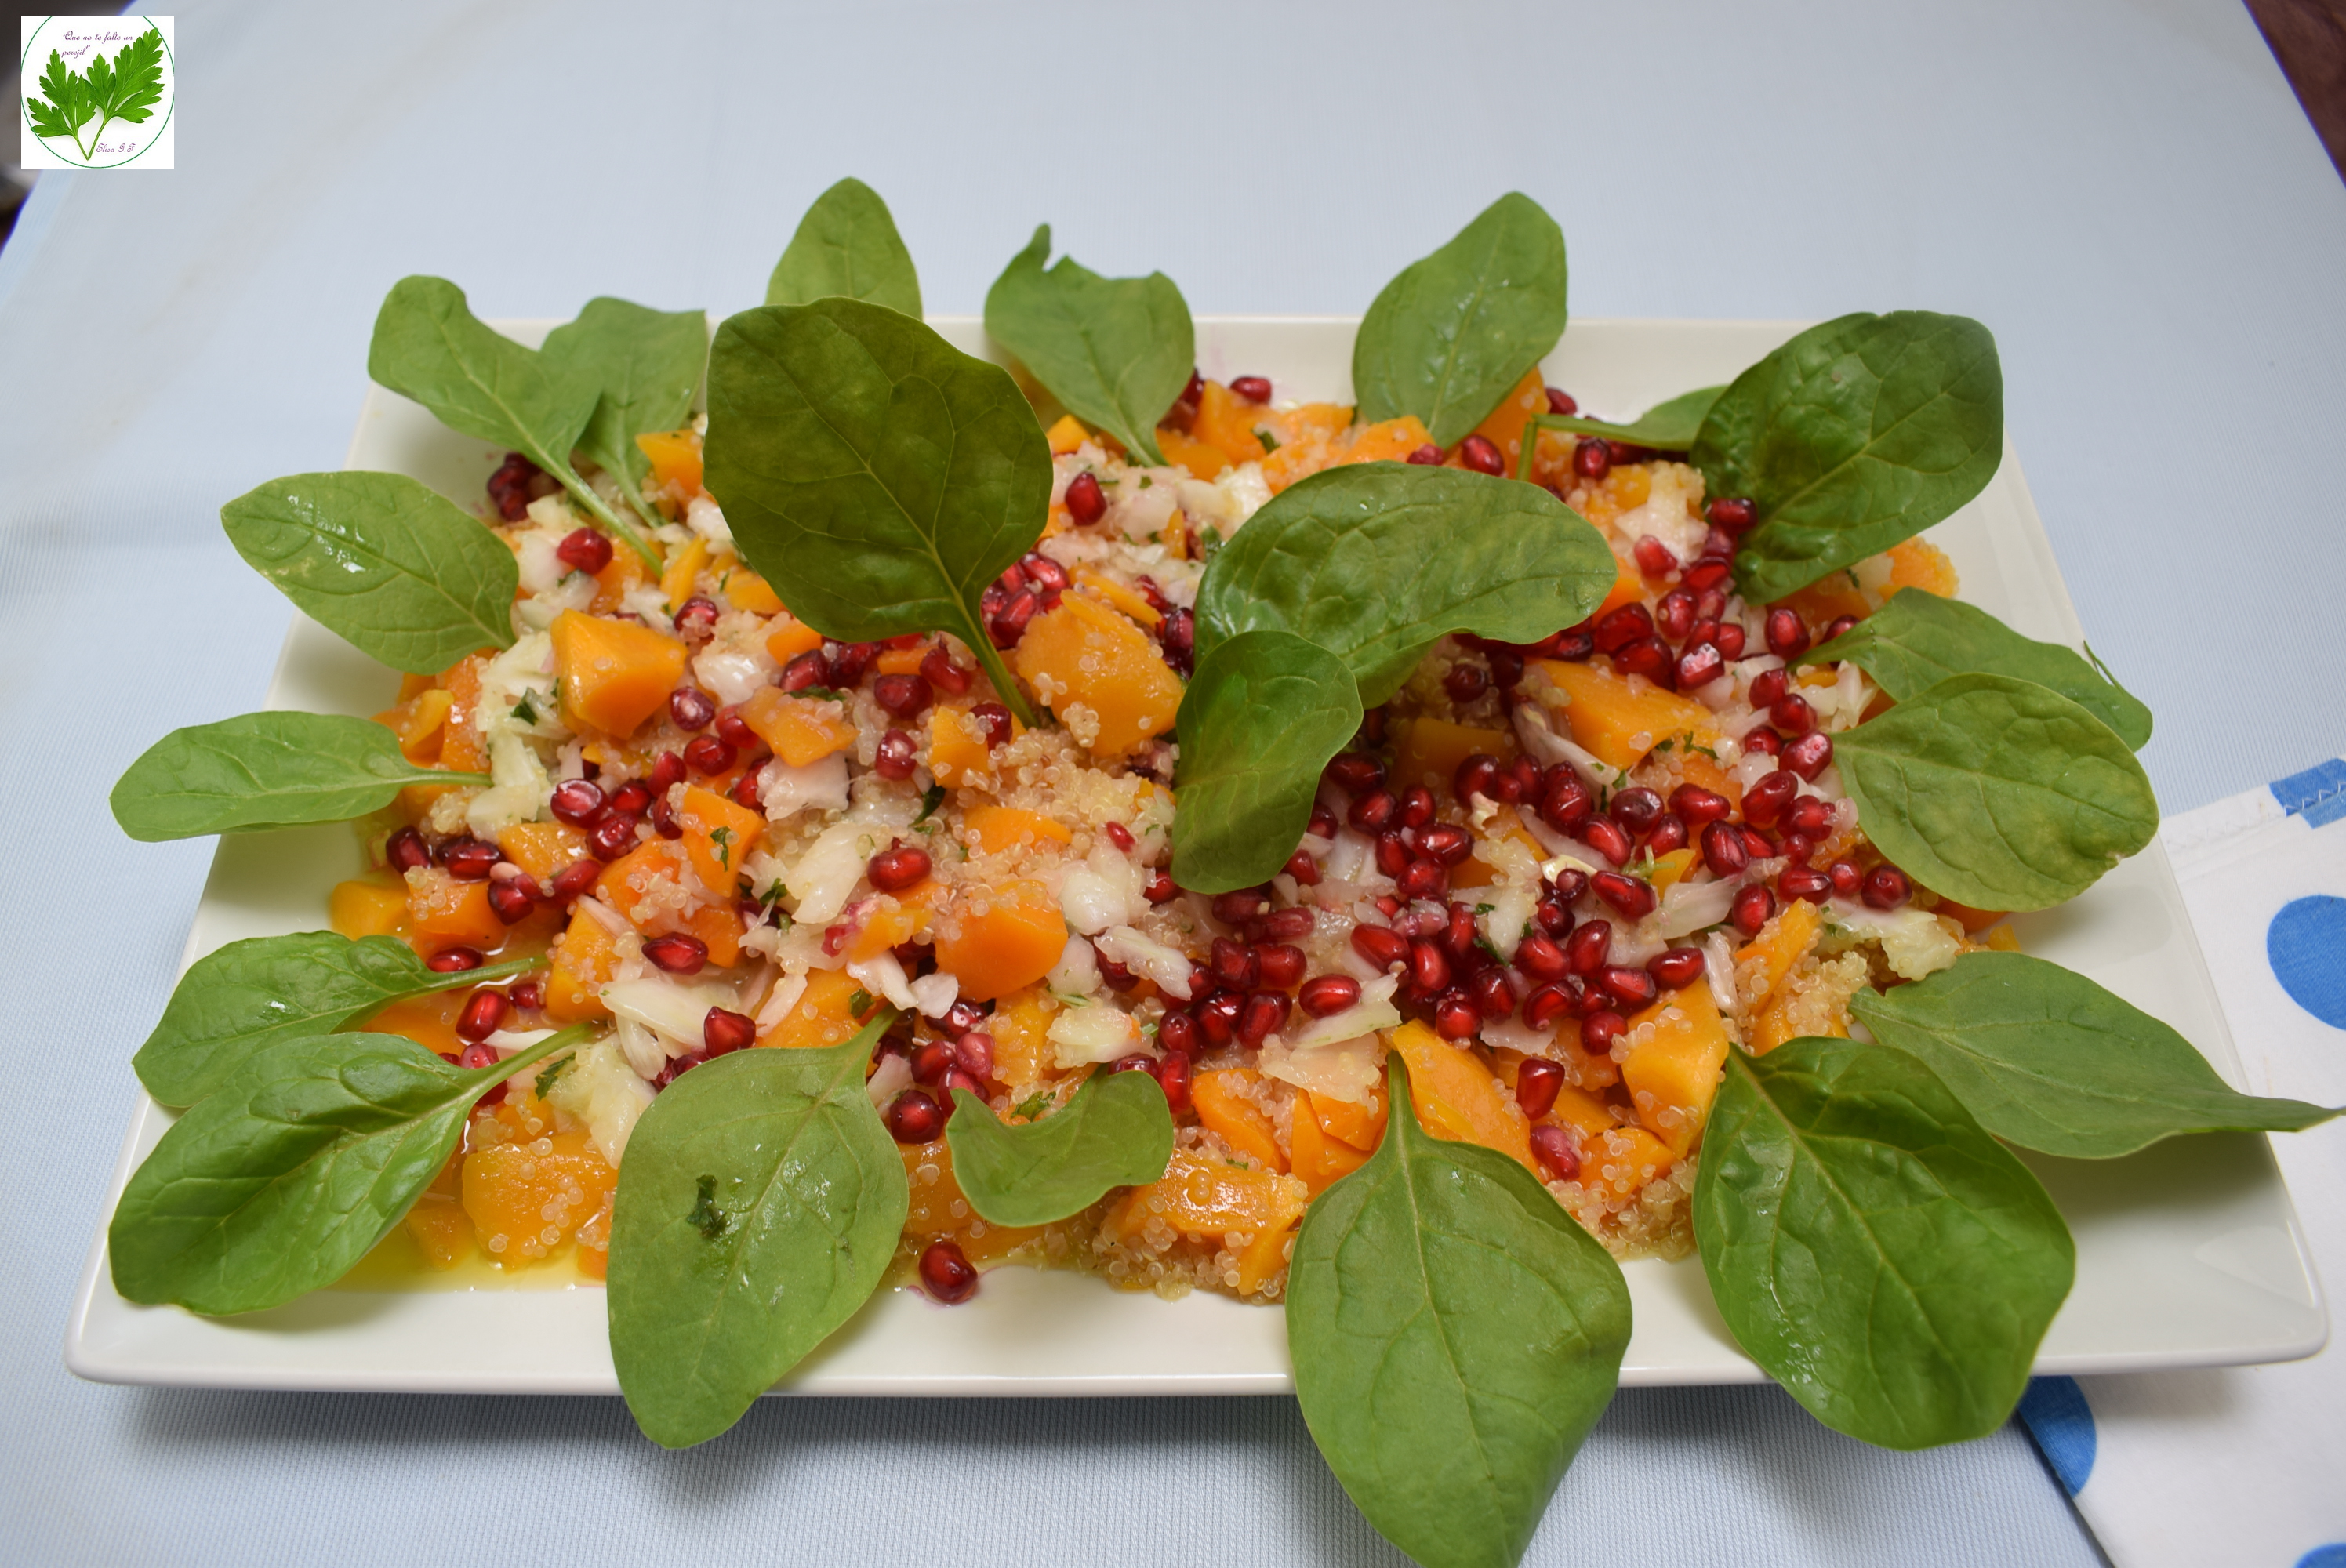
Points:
x=1918 y=564
x=372 y=905
x=1065 y=434
x=1428 y=750
x=1583 y=1112
x=1623 y=1160
x=1387 y=441
x=719 y=835
x=1261 y=1258
x=682 y=571
x=1503 y=427
x=931 y=1215
x=745 y=590
x=438 y=1224
x=1455 y=1095
x=1023 y=1052
x=420 y=732
x=801 y=729
x=1781 y=943
x=460 y=750
x=1093 y=656
x=1228 y=1112
x=626 y=886
x=614 y=675
x=1628 y=588
x=1673 y=1075
x=625 y=573
x=958 y=754
x=1319 y=1161
x=443 y=913
x=1200 y=1196
x=1015 y=941
x=999 y=827
x=542 y=848
x=790 y=638
x=1618 y=723
x=1182 y=450
x=583 y=958
x=826 y=1012
x=1124 y=600
x=1226 y=422
x=520 y=1195
x=676 y=459
x=1359 y=1126
x=429 y=1020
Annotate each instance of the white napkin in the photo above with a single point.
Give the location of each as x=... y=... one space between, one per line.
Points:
x=2244 y=1466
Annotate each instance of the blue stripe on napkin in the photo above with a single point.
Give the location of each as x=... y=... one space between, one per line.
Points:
x=2318 y=794
x=2056 y=1415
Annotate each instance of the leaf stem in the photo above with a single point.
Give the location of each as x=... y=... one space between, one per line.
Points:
x=529 y=1056
x=999 y=672
x=583 y=494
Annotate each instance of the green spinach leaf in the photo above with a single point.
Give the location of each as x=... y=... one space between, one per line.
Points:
x=302 y=1160
x=1871 y=1246
x=847 y=244
x=646 y=365
x=1455 y=1335
x=875 y=475
x=1264 y=712
x=1115 y=1132
x=1450 y=337
x=248 y=995
x=758 y=1208
x=397 y=570
x=2046 y=1059
x=1918 y=639
x=1116 y=351
x=429 y=346
x=1998 y=793
x=1376 y=562
x=1857 y=434
x=1669 y=426
x=265 y=770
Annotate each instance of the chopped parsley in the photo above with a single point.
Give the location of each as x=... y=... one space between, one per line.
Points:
x=931 y=799
x=860 y=1002
x=553 y=1074
x=723 y=838
x=525 y=709
x=705 y=1216
x=1269 y=442
x=1033 y=1104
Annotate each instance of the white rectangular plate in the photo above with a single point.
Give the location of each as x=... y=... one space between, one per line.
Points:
x=2188 y=1254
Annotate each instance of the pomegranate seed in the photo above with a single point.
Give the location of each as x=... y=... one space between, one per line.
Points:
x=1810 y=816
x=1551 y=1147
x=848 y=664
x=1699 y=666
x=1173 y=1075
x=1637 y=810
x=577 y=801
x=1839 y=626
x=1729 y=640
x=527 y=996
x=905 y=695
x=1754 y=907
x=1629 y=624
x=1416 y=806
x=1009 y=623
x=1507 y=668
x=1537 y=1082
x=632 y=798
x=1455 y=1018
x=483 y=1015
x=1631 y=987
x=1886 y=888
x=1846 y=879
x=1478 y=453
x=1424 y=878
x=512 y=902
x=1796 y=848
x=1757 y=844
x=1282 y=964
x=995 y=721
x=405 y=849
x=1632 y=898
x=1560 y=401
x=1766 y=801
x=1465 y=682
x=749 y=790
x=724 y=1031
x=931 y=1062
x=1768 y=687
x=945 y=1273
x=1443 y=842
x=584 y=550
x=914 y=1117
x=1606 y=838
x=1489 y=990
x=1588 y=946
x=664 y=820
x=1426 y=456
x=1698 y=805
x=1011 y=581
x=1591 y=458
x=1571 y=646
x=1086 y=503
x=1117 y=975
x=1731 y=512
x=893 y=871
x=1392 y=852
x=1787 y=636
x=805 y=670
x=1707 y=573
x=1565 y=804
x=475 y=1056
x=1723 y=849
x=1474 y=777
x=1677 y=967
x=1382 y=949
x=1654 y=558
x=896 y=756
x=937 y=667
x=575 y=879
x=469 y=859
x=1541 y=959
x=1792 y=715
x=1429 y=966
x=1323 y=824
x=1543 y=1007
x=1762 y=743
x=1603 y=1026
x=1805 y=882
x=697 y=618
x=1325 y=995
x=1177 y=636
x=1241 y=906
x=1233 y=965
x=1354 y=773
x=1178 y=1032
x=1674 y=616
x=1650 y=657
x=1375 y=811
x=1669 y=834
x=1809 y=755
x=1264 y=1012
x=1254 y=389
x=1044 y=574
x=1161 y=889
x=706 y=754
x=677 y=954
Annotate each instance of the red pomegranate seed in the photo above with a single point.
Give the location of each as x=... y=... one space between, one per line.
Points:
x=1218 y=1016
x=1766 y=801
x=1723 y=849
x=1423 y=878
x=1805 y=882
x=697 y=618
x=1654 y=558
x=469 y=859
x=1768 y=687
x=1325 y=995
x=1606 y=838
x=1677 y=967
x=664 y=820
x=1847 y=879
x=1809 y=756
x=1392 y=852
x=964 y=1016
x=575 y=879
x=1540 y=959
x=1478 y=453
x=1650 y=657
x=1708 y=573
x=1173 y=1074
x=1840 y=626
x=1731 y=512
x=931 y=1062
x=1086 y=503
x=995 y=721
x=1629 y=624
x=1254 y=389
x=512 y=902
x=1455 y=1016
x=1754 y=907
x=1551 y=1147
x=1263 y=1015
x=1282 y=964
x=1323 y=824
x=1795 y=848
x=1599 y=1029
x=632 y=798
x=1792 y=715
x=1416 y=806
x=1474 y=777
x=1591 y=458
x=1698 y=805
x=750 y=788
x=938 y=669
x=1375 y=811
x=528 y=995
x=1465 y=682
x=1787 y=636
x=1757 y=844
x=474 y=1057
x=405 y=849
x=1426 y=456
x=1537 y=1082
x=1489 y=990
x=1632 y=898
x=1543 y=1007
x=668 y=772
x=1507 y=668
x=896 y=756
x=1429 y=966
x=1810 y=816
x=1044 y=574
x=1631 y=987
x=1762 y=743
x=577 y=801
x=1233 y=965
x=612 y=837
x=905 y=695
x=1560 y=401
x=1587 y=947
x=914 y=1117
x=1239 y=907
x=1886 y=888
x=483 y=1015
x=677 y=954
x=1729 y=640
x=1669 y=834
x=1177 y=1032
x=805 y=670
x=895 y=870
x=1636 y=808
x=1354 y=773
x=1675 y=614
x=1381 y=948
x=1161 y=889
x=945 y=1273
x=1565 y=804
x=706 y=754
x=584 y=550
x=724 y=1031
x=1009 y=623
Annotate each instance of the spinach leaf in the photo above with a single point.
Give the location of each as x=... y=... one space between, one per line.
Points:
x=1857 y=434
x=265 y=770
x=758 y=1208
x=301 y=1160
x=2048 y=1060
x=1918 y=639
x=429 y=346
x=1997 y=793
x=397 y=570
x=1871 y=1246
x=1450 y=337
x=645 y=365
x=1669 y=426
x=1116 y=351
x=875 y=475
x=1455 y=1335
x=1115 y=1132
x=847 y=244
x=1376 y=562
x=250 y=994
x=1264 y=712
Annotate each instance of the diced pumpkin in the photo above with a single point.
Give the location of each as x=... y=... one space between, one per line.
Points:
x=1918 y=564
x=1065 y=434
x=1669 y=869
x=430 y=1020
x=1583 y=1112
x=1024 y=1054
x=520 y=1195
x=999 y=827
x=790 y=638
x=745 y=590
x=626 y=886
x=934 y=1195
x=1974 y=921
x=1456 y=1096
x=719 y=835
x=1012 y=943
x=1503 y=427
x=883 y=929
x=1228 y=1110
x=584 y=960
x=1619 y=723
x=1387 y=441
x=372 y=905
x=801 y=729
x=1262 y=1257
x=1472 y=873
x=681 y=570
x=420 y=727
x=958 y=754
x=614 y=675
x=1628 y=587
x=825 y=1014
x=438 y=1224
x=1226 y=422
x=1200 y=1196
x=1623 y=1161
x=2001 y=938
x=542 y=848
x=1128 y=601
x=443 y=913
x=1673 y=1073
x=1185 y=451
x=1318 y=1160
x=1782 y=943
x=1705 y=772
x=1359 y=1124
x=676 y=458
x=1092 y=656
x=460 y=750
x=1428 y=750
x=620 y=576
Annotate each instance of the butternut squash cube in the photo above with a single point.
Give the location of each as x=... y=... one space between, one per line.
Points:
x=1428 y=750
x=1619 y=723
x=1226 y=1108
x=1226 y=422
x=614 y=674
x=372 y=905
x=1011 y=943
x=719 y=835
x=801 y=729
x=1200 y=1196
x=1319 y=1161
x=1085 y=655
x=584 y=957
x=1455 y=1095
x=1674 y=1072
x=999 y=827
x=825 y=1014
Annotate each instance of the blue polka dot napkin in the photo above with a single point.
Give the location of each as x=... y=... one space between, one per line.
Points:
x=2243 y=1465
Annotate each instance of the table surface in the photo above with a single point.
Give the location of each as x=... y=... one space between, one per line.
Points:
x=2123 y=189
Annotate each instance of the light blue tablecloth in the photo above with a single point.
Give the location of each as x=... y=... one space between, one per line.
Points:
x=2125 y=191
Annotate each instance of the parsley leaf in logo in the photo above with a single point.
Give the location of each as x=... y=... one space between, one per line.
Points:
x=127 y=88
